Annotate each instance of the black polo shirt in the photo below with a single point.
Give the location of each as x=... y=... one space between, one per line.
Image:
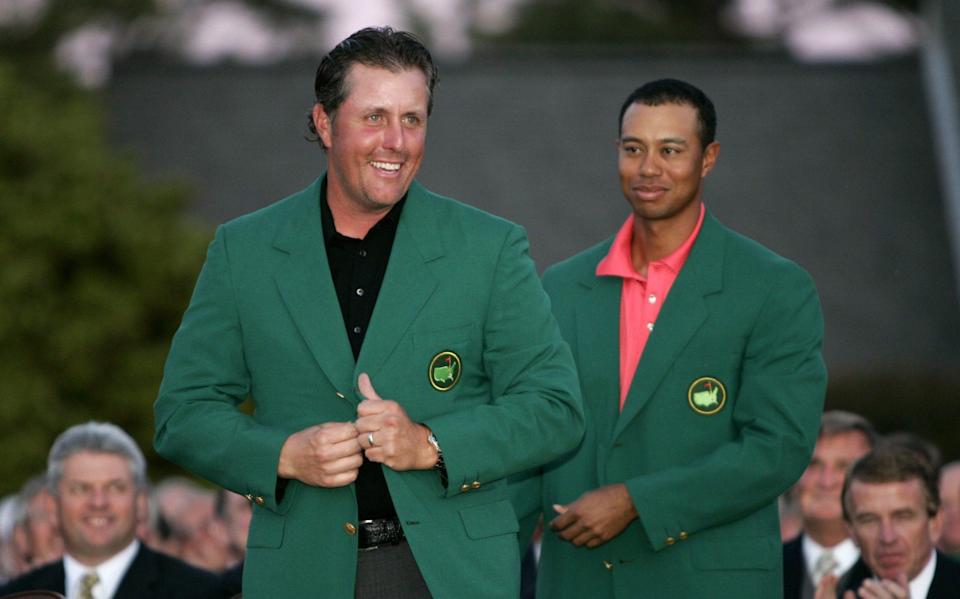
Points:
x=357 y=267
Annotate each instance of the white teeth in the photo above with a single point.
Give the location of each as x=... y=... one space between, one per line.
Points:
x=387 y=166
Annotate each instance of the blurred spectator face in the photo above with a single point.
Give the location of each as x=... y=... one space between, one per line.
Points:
x=237 y=516
x=818 y=491
x=98 y=505
x=950 y=505
x=221 y=541
x=890 y=524
x=42 y=530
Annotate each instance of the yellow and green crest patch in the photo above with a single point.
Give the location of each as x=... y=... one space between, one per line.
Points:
x=444 y=370
x=706 y=395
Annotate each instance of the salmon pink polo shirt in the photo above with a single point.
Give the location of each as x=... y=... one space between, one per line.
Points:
x=640 y=298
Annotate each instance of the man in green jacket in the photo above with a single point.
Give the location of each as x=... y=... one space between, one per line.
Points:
x=702 y=378
x=398 y=349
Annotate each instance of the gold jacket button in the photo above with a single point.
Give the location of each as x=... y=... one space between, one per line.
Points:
x=683 y=535
x=670 y=541
x=350 y=528
x=249 y=497
x=258 y=500
x=608 y=565
x=475 y=484
x=464 y=488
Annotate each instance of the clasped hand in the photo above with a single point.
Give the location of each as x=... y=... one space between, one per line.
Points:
x=595 y=517
x=330 y=454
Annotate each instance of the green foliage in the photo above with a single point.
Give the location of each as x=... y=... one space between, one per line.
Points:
x=96 y=267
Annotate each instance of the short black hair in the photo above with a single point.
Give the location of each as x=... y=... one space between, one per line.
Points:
x=381 y=47
x=674 y=91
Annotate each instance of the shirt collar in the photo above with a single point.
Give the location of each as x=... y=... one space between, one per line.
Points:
x=920 y=585
x=845 y=552
x=619 y=260
x=110 y=572
x=389 y=220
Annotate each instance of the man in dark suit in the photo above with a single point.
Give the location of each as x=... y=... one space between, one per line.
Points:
x=825 y=546
x=892 y=507
x=97 y=476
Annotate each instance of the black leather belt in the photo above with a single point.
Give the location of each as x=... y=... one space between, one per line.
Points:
x=374 y=533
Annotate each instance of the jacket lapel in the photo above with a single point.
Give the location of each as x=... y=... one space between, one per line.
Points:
x=407 y=284
x=140 y=578
x=682 y=315
x=307 y=289
x=598 y=350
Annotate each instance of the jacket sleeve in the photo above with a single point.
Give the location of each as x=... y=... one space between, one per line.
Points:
x=198 y=425
x=776 y=417
x=536 y=413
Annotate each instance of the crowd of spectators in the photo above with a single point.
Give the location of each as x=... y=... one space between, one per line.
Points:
x=207 y=528
x=825 y=547
x=204 y=527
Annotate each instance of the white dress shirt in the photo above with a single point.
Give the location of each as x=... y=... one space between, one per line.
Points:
x=920 y=585
x=110 y=572
x=845 y=553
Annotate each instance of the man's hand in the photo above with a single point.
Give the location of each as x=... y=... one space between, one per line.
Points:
x=883 y=589
x=398 y=442
x=827 y=587
x=596 y=517
x=325 y=455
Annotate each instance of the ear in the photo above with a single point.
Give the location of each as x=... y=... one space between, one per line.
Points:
x=851 y=532
x=323 y=124
x=710 y=155
x=143 y=506
x=936 y=526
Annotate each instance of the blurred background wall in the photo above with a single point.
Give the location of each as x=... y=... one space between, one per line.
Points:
x=837 y=123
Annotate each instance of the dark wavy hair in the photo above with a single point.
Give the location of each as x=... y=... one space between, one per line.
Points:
x=893 y=463
x=380 y=47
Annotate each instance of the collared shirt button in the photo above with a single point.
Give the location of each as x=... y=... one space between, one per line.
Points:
x=652 y=298
x=350 y=528
x=356 y=330
x=475 y=484
x=683 y=535
x=360 y=291
x=670 y=541
x=363 y=253
x=608 y=565
x=464 y=488
x=649 y=326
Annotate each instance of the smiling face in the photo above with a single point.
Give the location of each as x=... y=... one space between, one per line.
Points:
x=890 y=524
x=375 y=140
x=98 y=505
x=661 y=161
x=818 y=491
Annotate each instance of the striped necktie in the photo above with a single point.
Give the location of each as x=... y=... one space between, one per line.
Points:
x=825 y=564
x=89 y=580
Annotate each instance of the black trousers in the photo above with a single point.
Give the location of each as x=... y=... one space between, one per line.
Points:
x=389 y=572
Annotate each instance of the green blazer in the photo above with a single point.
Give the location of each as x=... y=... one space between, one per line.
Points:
x=703 y=464
x=264 y=321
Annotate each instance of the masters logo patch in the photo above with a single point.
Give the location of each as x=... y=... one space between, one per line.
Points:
x=706 y=395
x=444 y=371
